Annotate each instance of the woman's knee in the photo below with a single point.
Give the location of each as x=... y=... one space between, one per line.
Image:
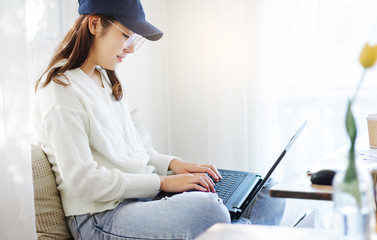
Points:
x=202 y=210
x=209 y=206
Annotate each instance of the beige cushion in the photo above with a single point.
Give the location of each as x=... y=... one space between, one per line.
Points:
x=49 y=216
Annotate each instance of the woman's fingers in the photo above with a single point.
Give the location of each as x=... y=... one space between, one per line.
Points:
x=197 y=188
x=211 y=171
x=186 y=182
x=179 y=166
x=214 y=169
x=205 y=181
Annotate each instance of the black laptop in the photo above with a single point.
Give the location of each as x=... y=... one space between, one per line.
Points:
x=238 y=189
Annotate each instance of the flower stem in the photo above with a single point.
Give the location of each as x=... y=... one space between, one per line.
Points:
x=351 y=182
x=358 y=85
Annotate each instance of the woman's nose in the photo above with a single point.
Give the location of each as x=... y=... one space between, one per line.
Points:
x=129 y=49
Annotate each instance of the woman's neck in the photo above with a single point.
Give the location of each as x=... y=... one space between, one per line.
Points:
x=92 y=73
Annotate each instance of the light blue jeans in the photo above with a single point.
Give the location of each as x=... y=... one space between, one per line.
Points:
x=182 y=216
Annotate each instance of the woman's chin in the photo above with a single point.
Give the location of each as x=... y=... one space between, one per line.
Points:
x=111 y=67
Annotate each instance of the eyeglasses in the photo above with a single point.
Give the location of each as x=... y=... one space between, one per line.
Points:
x=135 y=40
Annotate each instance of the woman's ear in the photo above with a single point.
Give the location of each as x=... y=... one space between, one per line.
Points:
x=94 y=24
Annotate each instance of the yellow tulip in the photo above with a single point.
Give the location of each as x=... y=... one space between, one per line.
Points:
x=368 y=56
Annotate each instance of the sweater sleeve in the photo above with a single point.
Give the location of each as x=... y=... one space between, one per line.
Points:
x=67 y=133
x=160 y=161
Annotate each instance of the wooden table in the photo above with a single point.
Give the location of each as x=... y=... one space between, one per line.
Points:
x=299 y=186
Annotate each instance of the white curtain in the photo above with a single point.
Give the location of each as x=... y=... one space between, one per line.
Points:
x=244 y=74
x=16 y=198
x=29 y=32
x=211 y=73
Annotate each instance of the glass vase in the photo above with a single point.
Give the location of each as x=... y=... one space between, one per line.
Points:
x=354 y=204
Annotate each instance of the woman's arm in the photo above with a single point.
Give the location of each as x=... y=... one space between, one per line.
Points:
x=67 y=134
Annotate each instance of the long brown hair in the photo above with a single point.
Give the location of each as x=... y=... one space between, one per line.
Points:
x=72 y=53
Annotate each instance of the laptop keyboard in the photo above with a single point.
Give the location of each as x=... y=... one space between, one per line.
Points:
x=229 y=182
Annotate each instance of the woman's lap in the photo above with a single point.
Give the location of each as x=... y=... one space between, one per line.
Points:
x=183 y=216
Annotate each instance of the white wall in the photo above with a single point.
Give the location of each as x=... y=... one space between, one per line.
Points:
x=211 y=64
x=144 y=75
x=192 y=87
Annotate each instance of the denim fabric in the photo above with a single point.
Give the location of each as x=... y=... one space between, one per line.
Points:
x=182 y=216
x=266 y=210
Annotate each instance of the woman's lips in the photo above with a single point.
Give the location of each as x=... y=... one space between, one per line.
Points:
x=120 y=58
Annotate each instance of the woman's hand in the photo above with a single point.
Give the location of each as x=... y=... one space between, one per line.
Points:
x=186 y=182
x=181 y=167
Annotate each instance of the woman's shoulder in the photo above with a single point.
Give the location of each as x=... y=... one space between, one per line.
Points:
x=65 y=82
x=60 y=90
x=57 y=84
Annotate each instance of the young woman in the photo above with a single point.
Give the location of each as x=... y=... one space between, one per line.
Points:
x=106 y=177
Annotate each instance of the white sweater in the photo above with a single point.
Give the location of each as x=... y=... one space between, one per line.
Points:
x=96 y=153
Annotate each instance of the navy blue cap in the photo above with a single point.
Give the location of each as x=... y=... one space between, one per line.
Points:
x=128 y=12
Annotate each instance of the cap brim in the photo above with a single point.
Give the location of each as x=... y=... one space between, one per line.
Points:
x=142 y=28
